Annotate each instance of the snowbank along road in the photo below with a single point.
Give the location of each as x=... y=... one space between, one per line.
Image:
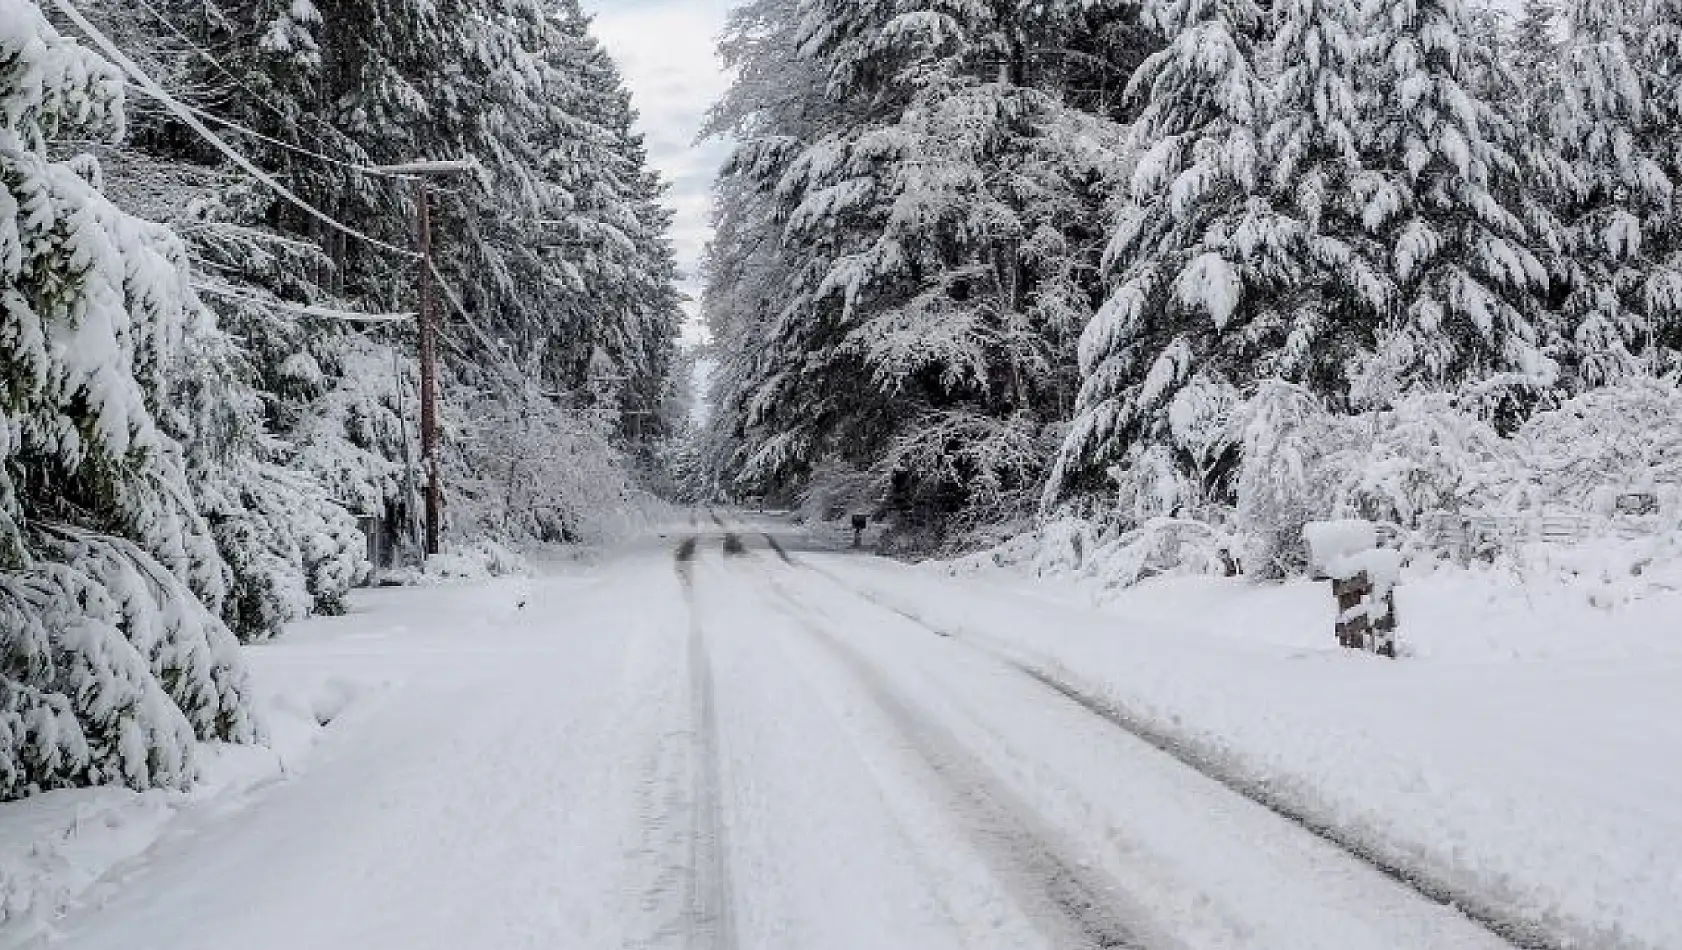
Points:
x=726 y=741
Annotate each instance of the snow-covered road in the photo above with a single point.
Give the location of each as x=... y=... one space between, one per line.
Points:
x=718 y=741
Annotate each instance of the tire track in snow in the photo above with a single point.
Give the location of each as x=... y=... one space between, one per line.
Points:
x=700 y=875
x=1500 y=922
x=777 y=546
x=1021 y=852
x=711 y=924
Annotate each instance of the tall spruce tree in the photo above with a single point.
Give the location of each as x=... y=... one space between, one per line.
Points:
x=1450 y=202
x=756 y=437
x=1612 y=319
x=1198 y=259
x=1534 y=50
x=1659 y=38
x=1312 y=147
x=937 y=202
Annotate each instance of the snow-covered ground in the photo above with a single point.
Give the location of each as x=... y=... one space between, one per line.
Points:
x=716 y=744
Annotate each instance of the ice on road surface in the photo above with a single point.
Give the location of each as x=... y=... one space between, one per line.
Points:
x=717 y=739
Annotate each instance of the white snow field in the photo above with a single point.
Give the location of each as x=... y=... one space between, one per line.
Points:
x=729 y=737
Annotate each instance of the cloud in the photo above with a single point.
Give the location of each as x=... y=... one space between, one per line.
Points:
x=665 y=49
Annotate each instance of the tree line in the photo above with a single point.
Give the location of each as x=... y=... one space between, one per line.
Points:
x=207 y=375
x=983 y=261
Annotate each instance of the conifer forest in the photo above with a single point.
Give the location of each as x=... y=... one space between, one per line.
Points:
x=350 y=345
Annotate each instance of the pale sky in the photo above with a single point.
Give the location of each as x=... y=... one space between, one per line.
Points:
x=665 y=48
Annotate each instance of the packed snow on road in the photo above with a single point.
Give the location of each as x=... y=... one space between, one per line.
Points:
x=738 y=733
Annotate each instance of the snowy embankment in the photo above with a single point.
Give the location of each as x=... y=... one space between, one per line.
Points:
x=57 y=847
x=1526 y=752
x=74 y=846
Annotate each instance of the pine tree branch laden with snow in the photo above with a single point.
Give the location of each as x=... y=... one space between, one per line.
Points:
x=112 y=661
x=1605 y=133
x=1197 y=255
x=1443 y=198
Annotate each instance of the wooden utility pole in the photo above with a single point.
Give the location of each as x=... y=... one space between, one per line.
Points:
x=428 y=332
x=429 y=372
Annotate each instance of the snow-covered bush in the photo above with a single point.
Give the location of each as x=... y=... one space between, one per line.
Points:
x=1283 y=433
x=462 y=561
x=1163 y=547
x=1295 y=461
x=983 y=468
x=836 y=489
x=1082 y=549
x=112 y=660
x=1624 y=437
x=525 y=467
x=1422 y=454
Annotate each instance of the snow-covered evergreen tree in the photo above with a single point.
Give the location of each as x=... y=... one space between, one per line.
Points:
x=1522 y=89
x=291 y=550
x=557 y=245
x=761 y=430
x=937 y=197
x=1612 y=317
x=957 y=280
x=1199 y=260
x=1534 y=47
x=608 y=231
x=112 y=661
x=1450 y=200
x=1658 y=36
x=1344 y=290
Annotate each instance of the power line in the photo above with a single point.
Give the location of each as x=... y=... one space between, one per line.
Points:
x=190 y=117
x=305 y=310
x=208 y=57
x=185 y=114
x=233 y=126
x=515 y=377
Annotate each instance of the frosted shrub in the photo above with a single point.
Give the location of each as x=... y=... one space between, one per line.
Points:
x=350 y=434
x=985 y=468
x=1065 y=546
x=474 y=561
x=838 y=488
x=1161 y=547
x=111 y=670
x=1152 y=483
x=530 y=469
x=1283 y=435
x=1623 y=437
x=1076 y=547
x=1423 y=454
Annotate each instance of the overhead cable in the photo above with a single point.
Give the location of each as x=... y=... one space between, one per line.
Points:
x=185 y=114
x=227 y=292
x=233 y=126
x=212 y=60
